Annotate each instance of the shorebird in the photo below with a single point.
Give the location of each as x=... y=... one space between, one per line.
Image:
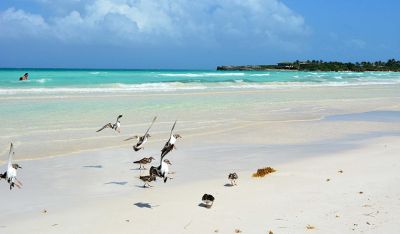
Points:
x=143 y=162
x=147 y=179
x=143 y=139
x=115 y=126
x=170 y=144
x=208 y=200
x=233 y=177
x=162 y=170
x=11 y=174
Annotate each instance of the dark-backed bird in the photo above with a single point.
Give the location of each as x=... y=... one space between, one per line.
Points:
x=147 y=179
x=233 y=177
x=143 y=139
x=162 y=170
x=208 y=200
x=143 y=162
x=116 y=126
x=11 y=174
x=170 y=144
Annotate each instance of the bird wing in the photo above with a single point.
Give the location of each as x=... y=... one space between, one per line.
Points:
x=167 y=148
x=139 y=161
x=130 y=138
x=10 y=154
x=150 y=125
x=119 y=116
x=172 y=129
x=109 y=125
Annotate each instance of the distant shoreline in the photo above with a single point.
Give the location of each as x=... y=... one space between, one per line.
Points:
x=391 y=65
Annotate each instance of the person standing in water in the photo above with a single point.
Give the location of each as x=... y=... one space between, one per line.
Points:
x=24 y=77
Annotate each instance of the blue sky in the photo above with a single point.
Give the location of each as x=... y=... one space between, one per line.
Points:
x=184 y=34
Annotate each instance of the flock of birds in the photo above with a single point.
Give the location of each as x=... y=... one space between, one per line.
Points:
x=160 y=171
x=163 y=169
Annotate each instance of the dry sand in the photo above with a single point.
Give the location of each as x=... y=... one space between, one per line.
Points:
x=98 y=192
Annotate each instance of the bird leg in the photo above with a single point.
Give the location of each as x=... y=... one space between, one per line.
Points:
x=12 y=184
x=18 y=182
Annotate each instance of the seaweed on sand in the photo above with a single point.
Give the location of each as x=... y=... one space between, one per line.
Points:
x=264 y=171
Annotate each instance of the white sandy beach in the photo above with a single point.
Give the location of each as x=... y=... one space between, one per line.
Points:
x=308 y=91
x=98 y=190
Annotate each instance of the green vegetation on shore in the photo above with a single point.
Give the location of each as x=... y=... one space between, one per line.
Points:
x=319 y=65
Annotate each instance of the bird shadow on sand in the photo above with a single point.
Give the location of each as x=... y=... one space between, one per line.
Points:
x=93 y=166
x=228 y=185
x=141 y=186
x=144 y=205
x=117 y=182
x=138 y=169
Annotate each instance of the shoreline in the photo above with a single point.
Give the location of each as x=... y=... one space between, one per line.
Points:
x=199 y=115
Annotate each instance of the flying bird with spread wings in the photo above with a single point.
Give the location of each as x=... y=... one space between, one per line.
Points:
x=116 y=126
x=143 y=139
x=170 y=144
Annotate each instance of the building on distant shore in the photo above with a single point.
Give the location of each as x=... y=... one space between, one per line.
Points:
x=286 y=65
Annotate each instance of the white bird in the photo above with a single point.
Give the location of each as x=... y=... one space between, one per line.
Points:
x=116 y=126
x=170 y=144
x=11 y=174
x=143 y=139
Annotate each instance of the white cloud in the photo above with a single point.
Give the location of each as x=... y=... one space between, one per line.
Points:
x=15 y=23
x=160 y=21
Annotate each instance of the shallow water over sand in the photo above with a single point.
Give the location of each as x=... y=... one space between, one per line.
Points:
x=48 y=125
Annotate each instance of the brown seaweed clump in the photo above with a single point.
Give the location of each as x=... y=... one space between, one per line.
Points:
x=264 y=171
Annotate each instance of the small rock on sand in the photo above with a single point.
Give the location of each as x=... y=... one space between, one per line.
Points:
x=310 y=227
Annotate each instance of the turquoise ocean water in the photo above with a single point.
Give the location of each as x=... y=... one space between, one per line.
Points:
x=57 y=81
